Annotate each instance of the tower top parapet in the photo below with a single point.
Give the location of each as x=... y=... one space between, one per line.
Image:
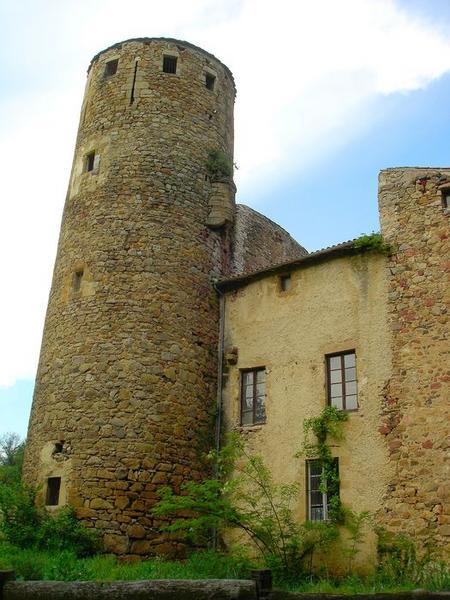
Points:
x=149 y=40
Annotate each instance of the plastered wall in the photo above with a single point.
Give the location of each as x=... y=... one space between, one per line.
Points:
x=333 y=306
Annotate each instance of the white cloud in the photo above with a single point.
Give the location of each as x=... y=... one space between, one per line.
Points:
x=305 y=71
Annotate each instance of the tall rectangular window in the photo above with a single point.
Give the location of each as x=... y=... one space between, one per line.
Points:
x=253 y=396
x=320 y=492
x=210 y=81
x=53 y=488
x=77 y=279
x=341 y=380
x=169 y=64
x=89 y=162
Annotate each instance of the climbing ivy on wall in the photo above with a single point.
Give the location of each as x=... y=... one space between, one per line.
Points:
x=317 y=433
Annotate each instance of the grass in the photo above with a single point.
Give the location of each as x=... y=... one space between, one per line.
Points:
x=32 y=564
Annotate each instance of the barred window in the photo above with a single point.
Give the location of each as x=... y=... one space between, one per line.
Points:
x=169 y=64
x=253 y=396
x=319 y=492
x=341 y=380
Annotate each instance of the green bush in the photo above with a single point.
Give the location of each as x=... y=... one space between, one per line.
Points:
x=219 y=165
x=244 y=497
x=25 y=525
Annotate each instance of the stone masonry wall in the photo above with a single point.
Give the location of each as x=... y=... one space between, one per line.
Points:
x=126 y=384
x=416 y=412
x=260 y=243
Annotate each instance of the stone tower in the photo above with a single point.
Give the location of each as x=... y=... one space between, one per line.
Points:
x=414 y=210
x=126 y=384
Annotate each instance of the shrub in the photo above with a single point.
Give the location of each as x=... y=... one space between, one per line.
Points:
x=244 y=497
x=219 y=165
x=25 y=525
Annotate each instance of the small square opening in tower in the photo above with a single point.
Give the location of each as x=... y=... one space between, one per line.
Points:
x=210 y=81
x=285 y=282
x=111 y=67
x=169 y=64
x=53 y=489
x=89 y=162
x=77 y=279
x=59 y=447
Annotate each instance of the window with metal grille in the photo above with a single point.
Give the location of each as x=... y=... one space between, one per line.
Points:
x=89 y=161
x=210 y=81
x=341 y=380
x=169 y=64
x=253 y=396
x=285 y=283
x=111 y=67
x=320 y=492
x=53 y=488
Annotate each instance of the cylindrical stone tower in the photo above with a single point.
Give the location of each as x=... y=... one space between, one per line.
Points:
x=125 y=391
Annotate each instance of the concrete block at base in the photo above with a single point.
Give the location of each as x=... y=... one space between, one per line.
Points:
x=213 y=589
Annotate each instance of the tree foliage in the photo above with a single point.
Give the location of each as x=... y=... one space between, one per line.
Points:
x=244 y=497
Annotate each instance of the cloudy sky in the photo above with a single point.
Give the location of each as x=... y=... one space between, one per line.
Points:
x=329 y=92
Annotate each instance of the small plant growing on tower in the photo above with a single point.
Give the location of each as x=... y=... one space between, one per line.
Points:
x=372 y=241
x=327 y=425
x=219 y=165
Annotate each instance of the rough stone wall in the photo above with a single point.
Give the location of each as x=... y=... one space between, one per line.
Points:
x=259 y=242
x=127 y=374
x=416 y=411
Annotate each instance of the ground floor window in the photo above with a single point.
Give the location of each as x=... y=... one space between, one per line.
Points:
x=320 y=492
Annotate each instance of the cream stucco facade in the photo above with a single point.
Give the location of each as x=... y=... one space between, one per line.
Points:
x=331 y=306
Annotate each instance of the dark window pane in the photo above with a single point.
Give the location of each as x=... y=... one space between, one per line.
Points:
x=247 y=418
x=53 y=487
x=209 y=81
x=170 y=64
x=111 y=67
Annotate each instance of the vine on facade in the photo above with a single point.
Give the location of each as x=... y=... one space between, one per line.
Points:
x=328 y=425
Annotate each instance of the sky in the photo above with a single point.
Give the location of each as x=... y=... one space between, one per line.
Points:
x=329 y=93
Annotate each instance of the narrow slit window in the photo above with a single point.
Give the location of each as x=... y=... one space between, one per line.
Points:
x=169 y=64
x=285 y=282
x=90 y=162
x=77 y=279
x=446 y=199
x=111 y=67
x=210 y=81
x=53 y=489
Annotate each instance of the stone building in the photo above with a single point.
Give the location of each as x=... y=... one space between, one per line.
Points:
x=158 y=272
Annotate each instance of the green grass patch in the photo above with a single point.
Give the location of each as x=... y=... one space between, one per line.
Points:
x=65 y=566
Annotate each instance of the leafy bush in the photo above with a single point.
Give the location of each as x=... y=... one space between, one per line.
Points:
x=244 y=497
x=219 y=165
x=26 y=525
x=372 y=241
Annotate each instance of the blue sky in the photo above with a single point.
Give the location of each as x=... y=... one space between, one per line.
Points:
x=328 y=94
